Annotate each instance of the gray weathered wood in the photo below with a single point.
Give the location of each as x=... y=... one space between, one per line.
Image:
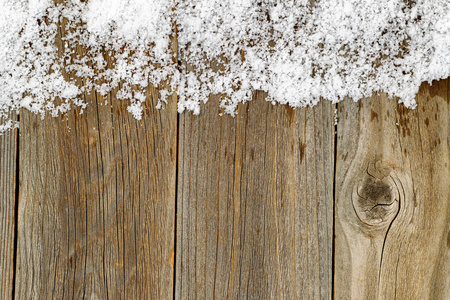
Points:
x=97 y=202
x=255 y=202
x=393 y=198
x=8 y=150
x=441 y=274
x=263 y=211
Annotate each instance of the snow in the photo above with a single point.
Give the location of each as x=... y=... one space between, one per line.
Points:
x=298 y=52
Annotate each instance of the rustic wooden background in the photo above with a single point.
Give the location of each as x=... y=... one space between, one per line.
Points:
x=275 y=203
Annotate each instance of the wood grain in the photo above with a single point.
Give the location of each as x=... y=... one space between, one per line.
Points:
x=97 y=202
x=8 y=152
x=255 y=202
x=441 y=278
x=393 y=198
x=265 y=205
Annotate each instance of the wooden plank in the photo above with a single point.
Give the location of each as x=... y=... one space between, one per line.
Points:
x=8 y=151
x=393 y=198
x=255 y=203
x=97 y=202
x=441 y=278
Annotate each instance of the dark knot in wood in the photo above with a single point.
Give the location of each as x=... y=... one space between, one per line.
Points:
x=376 y=197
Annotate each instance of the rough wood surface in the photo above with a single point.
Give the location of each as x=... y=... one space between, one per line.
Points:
x=96 y=203
x=8 y=151
x=393 y=198
x=264 y=206
x=255 y=203
x=96 y=213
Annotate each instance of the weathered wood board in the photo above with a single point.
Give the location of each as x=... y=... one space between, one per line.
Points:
x=254 y=198
x=255 y=202
x=96 y=214
x=8 y=173
x=393 y=198
x=96 y=203
x=275 y=203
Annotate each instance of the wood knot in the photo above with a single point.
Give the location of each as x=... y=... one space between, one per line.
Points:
x=376 y=196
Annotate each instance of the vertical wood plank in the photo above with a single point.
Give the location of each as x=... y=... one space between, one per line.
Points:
x=393 y=198
x=440 y=288
x=8 y=151
x=96 y=204
x=97 y=201
x=255 y=203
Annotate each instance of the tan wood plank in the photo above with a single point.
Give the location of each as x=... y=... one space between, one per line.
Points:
x=441 y=274
x=8 y=151
x=97 y=202
x=96 y=205
x=393 y=198
x=255 y=203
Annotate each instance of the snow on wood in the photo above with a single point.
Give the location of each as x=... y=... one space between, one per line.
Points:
x=297 y=51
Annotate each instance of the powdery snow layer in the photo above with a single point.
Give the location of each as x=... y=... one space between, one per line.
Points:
x=296 y=51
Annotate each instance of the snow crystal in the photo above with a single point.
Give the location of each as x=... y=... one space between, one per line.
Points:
x=298 y=51
x=302 y=51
